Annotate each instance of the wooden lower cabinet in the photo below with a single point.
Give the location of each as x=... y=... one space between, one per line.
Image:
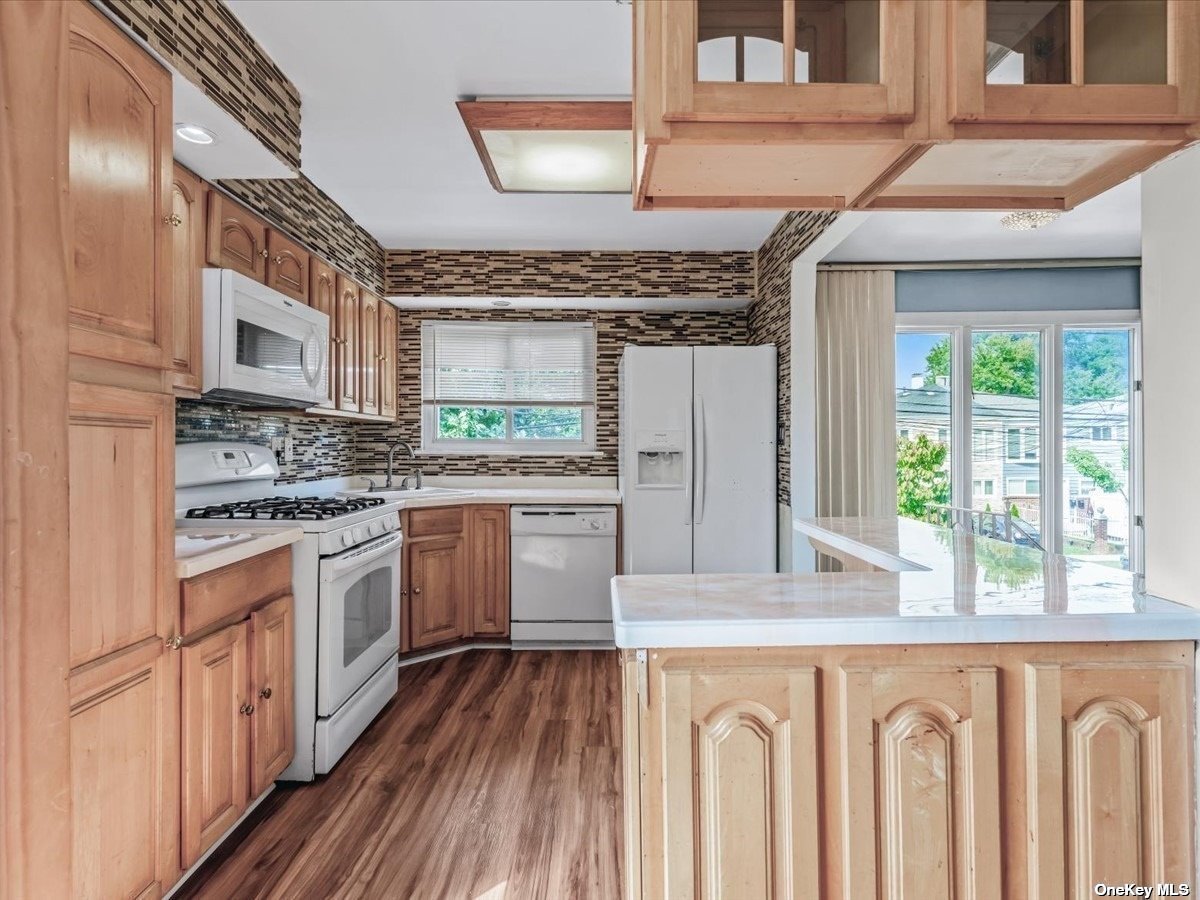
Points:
x=488 y=561
x=125 y=774
x=272 y=725
x=966 y=771
x=216 y=737
x=435 y=584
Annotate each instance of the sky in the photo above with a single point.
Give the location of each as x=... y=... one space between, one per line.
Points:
x=911 y=350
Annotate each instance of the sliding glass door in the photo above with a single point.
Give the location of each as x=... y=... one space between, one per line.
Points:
x=1036 y=421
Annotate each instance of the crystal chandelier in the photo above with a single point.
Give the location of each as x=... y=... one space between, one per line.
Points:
x=1029 y=219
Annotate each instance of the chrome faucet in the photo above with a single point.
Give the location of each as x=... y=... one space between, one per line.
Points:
x=391 y=462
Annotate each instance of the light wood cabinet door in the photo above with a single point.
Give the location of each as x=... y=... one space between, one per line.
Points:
x=487 y=547
x=732 y=779
x=1110 y=775
x=287 y=266
x=272 y=724
x=125 y=774
x=216 y=737
x=435 y=590
x=388 y=348
x=119 y=119
x=346 y=362
x=187 y=259
x=322 y=296
x=368 y=352
x=920 y=782
x=122 y=453
x=237 y=239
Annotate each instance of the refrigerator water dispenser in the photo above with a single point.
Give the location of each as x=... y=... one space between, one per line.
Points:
x=660 y=459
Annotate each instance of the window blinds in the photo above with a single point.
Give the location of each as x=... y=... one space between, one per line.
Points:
x=508 y=364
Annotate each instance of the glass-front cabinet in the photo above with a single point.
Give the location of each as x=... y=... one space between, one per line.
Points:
x=1081 y=61
x=788 y=60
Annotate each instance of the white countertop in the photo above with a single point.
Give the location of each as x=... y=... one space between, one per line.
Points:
x=511 y=495
x=939 y=587
x=205 y=548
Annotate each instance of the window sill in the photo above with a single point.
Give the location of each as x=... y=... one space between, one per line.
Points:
x=515 y=453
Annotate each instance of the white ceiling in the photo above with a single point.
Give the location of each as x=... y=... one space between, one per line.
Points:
x=1105 y=226
x=378 y=81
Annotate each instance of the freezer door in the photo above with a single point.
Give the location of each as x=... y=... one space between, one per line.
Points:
x=734 y=505
x=656 y=405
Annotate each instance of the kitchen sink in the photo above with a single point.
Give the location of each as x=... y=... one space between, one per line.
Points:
x=410 y=494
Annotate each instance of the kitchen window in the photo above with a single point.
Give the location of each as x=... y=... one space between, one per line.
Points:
x=511 y=387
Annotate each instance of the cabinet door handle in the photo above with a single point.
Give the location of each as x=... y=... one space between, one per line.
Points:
x=404 y=592
x=265 y=693
x=263 y=253
x=175 y=643
x=416 y=590
x=174 y=220
x=247 y=709
x=278 y=260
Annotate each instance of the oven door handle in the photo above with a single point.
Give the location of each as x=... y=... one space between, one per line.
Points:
x=359 y=557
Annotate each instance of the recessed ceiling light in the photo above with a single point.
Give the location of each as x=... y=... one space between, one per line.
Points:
x=1029 y=219
x=195 y=134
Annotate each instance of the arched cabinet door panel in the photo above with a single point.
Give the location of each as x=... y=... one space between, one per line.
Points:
x=323 y=296
x=236 y=238
x=119 y=117
x=368 y=352
x=346 y=360
x=287 y=266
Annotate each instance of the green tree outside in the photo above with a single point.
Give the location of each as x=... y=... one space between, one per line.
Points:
x=921 y=477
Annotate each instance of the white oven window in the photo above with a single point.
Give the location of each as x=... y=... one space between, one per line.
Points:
x=367 y=613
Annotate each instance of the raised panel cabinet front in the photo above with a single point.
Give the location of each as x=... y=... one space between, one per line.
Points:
x=287 y=266
x=125 y=775
x=435 y=590
x=920 y=783
x=119 y=119
x=730 y=798
x=322 y=296
x=368 y=352
x=346 y=361
x=489 y=569
x=237 y=239
x=121 y=450
x=187 y=258
x=1109 y=763
x=272 y=734
x=216 y=737
x=388 y=348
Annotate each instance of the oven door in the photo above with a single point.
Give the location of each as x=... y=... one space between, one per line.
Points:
x=359 y=625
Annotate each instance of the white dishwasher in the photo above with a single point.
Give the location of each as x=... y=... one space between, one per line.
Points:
x=563 y=558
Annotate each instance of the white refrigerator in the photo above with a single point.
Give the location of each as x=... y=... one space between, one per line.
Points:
x=697 y=459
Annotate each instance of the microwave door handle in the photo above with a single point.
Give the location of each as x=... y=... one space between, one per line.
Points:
x=353 y=561
x=311 y=370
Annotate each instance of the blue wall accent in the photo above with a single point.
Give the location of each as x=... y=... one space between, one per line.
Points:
x=1018 y=290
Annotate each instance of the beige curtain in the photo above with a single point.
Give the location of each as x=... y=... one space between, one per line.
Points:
x=856 y=393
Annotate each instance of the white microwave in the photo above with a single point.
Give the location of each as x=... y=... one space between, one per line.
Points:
x=259 y=346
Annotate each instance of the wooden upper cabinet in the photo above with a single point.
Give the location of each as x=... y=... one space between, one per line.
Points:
x=121 y=450
x=368 y=352
x=1082 y=61
x=787 y=60
x=346 y=362
x=187 y=259
x=436 y=574
x=119 y=119
x=388 y=349
x=1109 y=762
x=322 y=296
x=488 y=565
x=272 y=725
x=237 y=239
x=216 y=737
x=287 y=266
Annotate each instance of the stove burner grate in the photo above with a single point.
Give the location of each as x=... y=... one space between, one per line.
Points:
x=286 y=508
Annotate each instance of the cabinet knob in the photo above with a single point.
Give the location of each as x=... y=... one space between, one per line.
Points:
x=247 y=709
x=265 y=693
x=174 y=219
x=404 y=592
x=416 y=590
x=278 y=260
x=175 y=643
x=263 y=253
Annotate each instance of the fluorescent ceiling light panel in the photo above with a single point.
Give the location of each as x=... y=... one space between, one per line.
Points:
x=561 y=161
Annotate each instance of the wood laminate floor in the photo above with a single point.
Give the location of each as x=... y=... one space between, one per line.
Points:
x=493 y=774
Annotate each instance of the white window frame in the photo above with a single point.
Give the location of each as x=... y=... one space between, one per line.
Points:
x=1050 y=327
x=432 y=445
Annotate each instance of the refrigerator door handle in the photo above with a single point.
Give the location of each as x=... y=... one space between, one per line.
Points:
x=701 y=461
x=687 y=458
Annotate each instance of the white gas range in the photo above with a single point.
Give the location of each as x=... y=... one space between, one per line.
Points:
x=345 y=578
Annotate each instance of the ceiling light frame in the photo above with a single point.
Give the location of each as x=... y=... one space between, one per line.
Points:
x=540 y=115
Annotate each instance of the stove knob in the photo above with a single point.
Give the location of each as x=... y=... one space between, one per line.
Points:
x=347 y=538
x=376 y=528
x=595 y=525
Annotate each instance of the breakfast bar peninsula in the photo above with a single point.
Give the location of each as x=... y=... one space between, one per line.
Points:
x=950 y=716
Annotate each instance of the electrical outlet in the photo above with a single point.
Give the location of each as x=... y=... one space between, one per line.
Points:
x=289 y=448
x=277 y=444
